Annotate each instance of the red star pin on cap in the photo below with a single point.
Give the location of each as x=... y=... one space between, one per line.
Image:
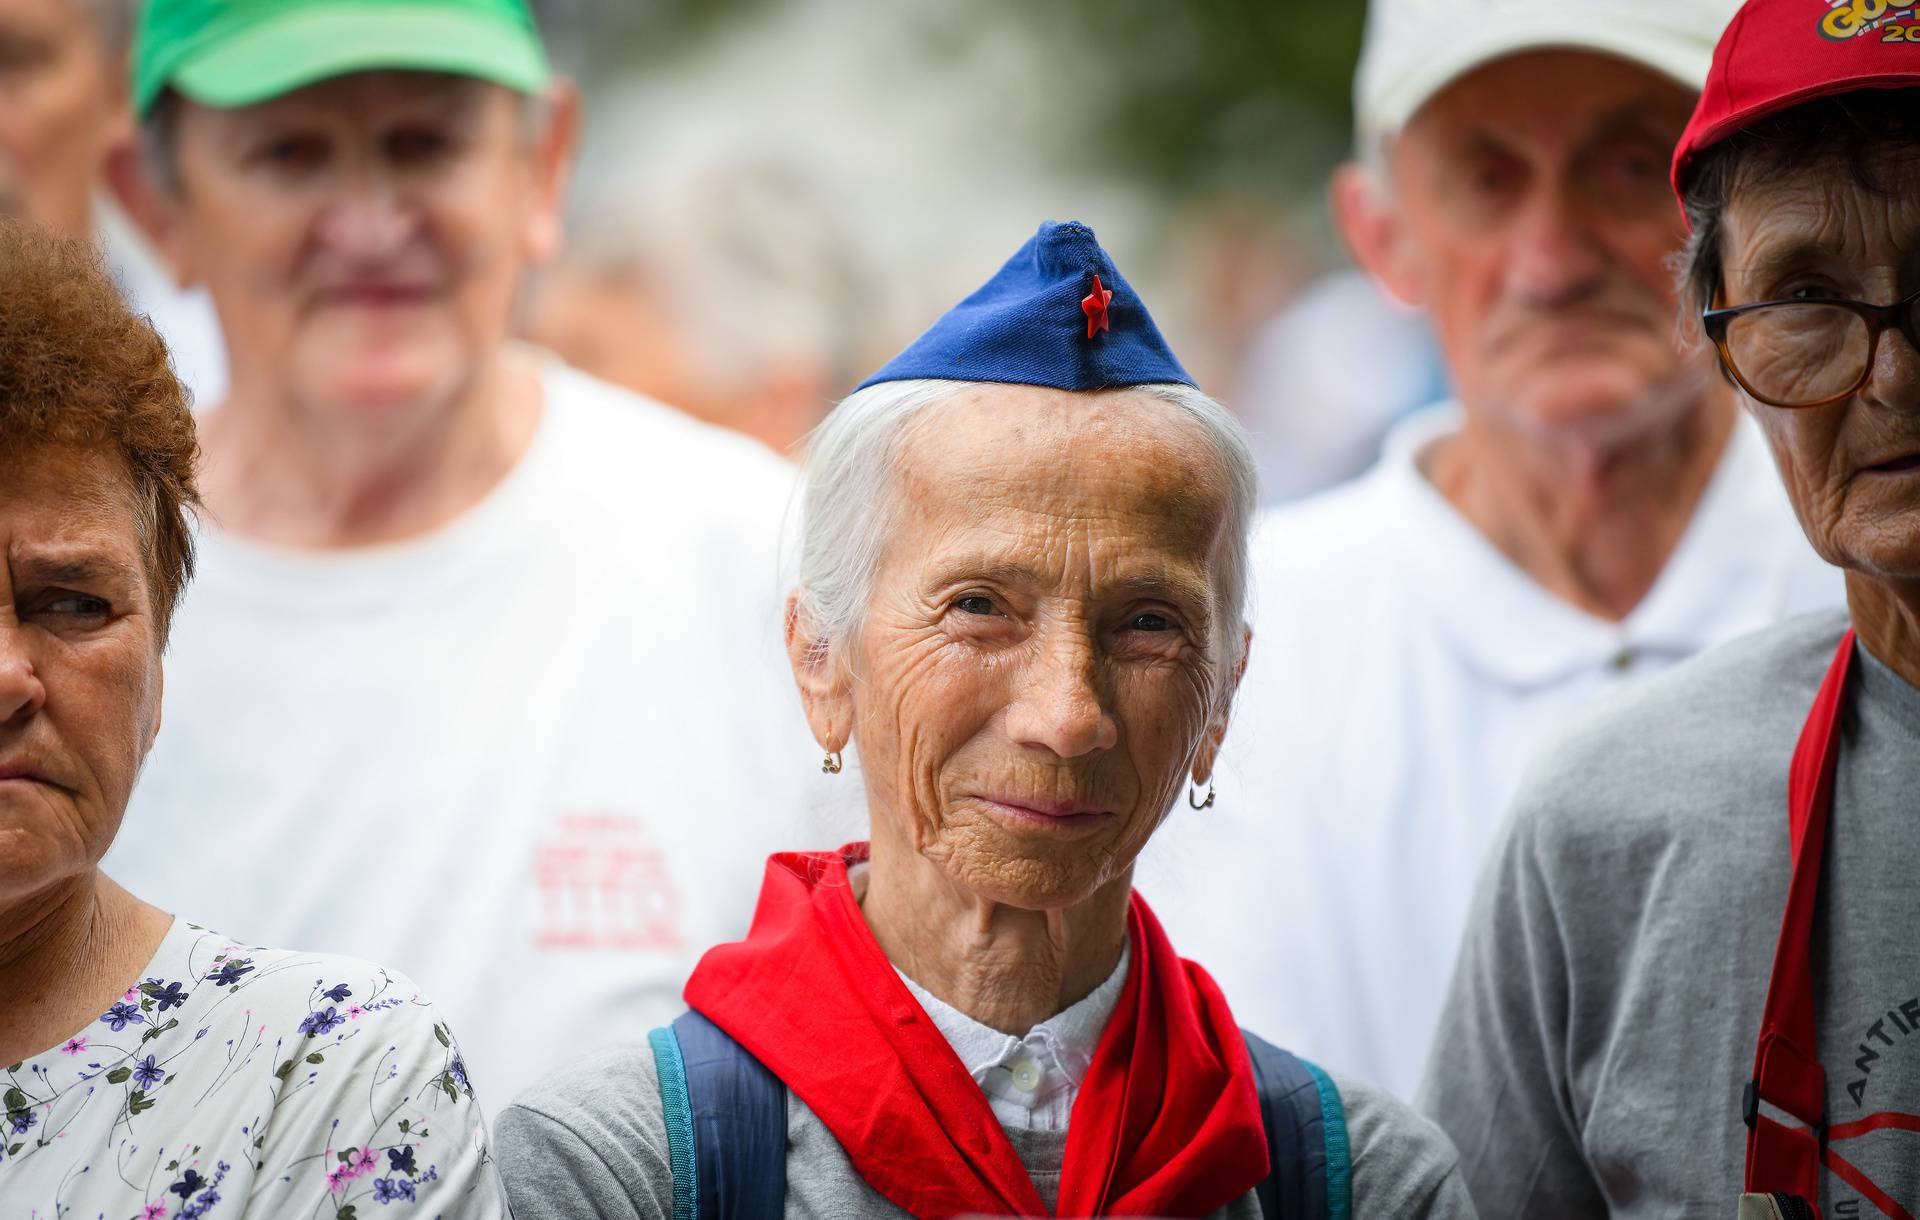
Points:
x=1095 y=307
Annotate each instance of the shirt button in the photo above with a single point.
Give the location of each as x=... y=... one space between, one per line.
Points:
x=1026 y=1075
x=1622 y=660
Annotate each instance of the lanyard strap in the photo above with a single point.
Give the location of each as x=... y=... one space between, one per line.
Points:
x=1786 y=1067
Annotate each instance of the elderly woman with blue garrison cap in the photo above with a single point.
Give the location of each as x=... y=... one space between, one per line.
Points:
x=1020 y=599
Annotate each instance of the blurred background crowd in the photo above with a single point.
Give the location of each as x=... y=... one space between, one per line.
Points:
x=748 y=232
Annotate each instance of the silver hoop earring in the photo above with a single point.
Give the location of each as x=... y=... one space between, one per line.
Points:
x=831 y=763
x=1206 y=804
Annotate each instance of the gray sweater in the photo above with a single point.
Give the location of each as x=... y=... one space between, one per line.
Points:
x=1602 y=1020
x=592 y=1142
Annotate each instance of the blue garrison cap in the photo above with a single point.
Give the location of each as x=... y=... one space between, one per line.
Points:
x=1058 y=314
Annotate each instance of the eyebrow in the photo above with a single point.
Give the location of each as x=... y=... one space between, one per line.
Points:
x=1777 y=260
x=1175 y=586
x=78 y=570
x=1633 y=119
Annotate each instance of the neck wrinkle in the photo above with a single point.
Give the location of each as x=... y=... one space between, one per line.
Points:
x=1594 y=523
x=1886 y=621
x=1009 y=968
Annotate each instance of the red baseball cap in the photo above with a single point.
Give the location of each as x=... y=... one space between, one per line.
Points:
x=1778 y=53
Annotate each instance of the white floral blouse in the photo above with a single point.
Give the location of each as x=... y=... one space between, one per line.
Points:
x=243 y=1082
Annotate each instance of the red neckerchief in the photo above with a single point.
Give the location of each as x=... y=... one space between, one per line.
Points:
x=1786 y=1067
x=1167 y=1122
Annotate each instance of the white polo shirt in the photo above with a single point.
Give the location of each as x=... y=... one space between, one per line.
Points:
x=1403 y=673
x=537 y=759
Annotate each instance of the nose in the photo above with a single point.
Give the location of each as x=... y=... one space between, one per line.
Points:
x=1895 y=380
x=1062 y=707
x=21 y=692
x=1554 y=258
x=370 y=219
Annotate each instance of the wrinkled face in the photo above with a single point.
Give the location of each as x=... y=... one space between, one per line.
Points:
x=61 y=104
x=363 y=237
x=1538 y=218
x=1043 y=652
x=1852 y=469
x=79 y=663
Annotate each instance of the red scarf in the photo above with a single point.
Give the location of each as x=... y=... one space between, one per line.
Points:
x=1167 y=1122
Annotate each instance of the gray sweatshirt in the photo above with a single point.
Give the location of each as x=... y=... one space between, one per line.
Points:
x=1602 y=1019
x=591 y=1142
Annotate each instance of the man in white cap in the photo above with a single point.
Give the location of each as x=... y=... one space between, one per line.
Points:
x=1591 y=509
x=482 y=672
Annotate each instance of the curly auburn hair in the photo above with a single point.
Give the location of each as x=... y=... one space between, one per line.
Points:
x=78 y=369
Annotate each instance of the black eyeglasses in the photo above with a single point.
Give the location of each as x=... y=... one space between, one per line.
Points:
x=1806 y=353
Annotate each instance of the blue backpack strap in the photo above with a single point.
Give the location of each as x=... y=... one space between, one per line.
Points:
x=1312 y=1169
x=726 y=1119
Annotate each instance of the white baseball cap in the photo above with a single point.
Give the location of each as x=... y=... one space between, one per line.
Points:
x=1415 y=48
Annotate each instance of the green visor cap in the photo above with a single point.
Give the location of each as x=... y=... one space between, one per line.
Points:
x=238 y=52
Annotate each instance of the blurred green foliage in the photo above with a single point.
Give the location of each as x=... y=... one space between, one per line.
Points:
x=1240 y=97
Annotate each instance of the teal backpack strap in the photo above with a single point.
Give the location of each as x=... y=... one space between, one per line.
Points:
x=678 y=1109
x=1310 y=1173
x=726 y=1120
x=1333 y=1125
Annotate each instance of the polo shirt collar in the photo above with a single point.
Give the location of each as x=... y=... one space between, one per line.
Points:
x=1499 y=620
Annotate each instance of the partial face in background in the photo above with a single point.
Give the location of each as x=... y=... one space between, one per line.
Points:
x=1533 y=220
x=62 y=104
x=79 y=663
x=1044 y=652
x=1852 y=469
x=363 y=238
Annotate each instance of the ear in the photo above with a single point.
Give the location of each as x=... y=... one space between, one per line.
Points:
x=1216 y=734
x=553 y=153
x=1373 y=230
x=826 y=689
x=153 y=207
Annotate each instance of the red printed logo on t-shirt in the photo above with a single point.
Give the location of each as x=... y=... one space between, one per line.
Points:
x=603 y=885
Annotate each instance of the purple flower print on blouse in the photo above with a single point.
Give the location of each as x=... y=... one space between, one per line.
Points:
x=24 y=1121
x=319 y=1023
x=230 y=972
x=147 y=1073
x=122 y=1015
x=387 y=1190
x=338 y=993
x=165 y=995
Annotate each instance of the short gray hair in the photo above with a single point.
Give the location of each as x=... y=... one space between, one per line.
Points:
x=846 y=507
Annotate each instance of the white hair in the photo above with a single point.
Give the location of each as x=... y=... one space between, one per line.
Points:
x=846 y=511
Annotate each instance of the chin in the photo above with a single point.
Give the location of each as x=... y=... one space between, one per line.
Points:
x=380 y=389
x=1015 y=874
x=1883 y=545
x=1593 y=398
x=353 y=369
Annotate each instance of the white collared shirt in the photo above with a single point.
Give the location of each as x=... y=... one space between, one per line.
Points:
x=1403 y=672
x=1030 y=1082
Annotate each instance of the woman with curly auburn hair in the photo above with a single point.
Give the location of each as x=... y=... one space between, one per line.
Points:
x=158 y=1068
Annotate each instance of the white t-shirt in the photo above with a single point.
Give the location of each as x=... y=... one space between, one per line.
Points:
x=536 y=759
x=1403 y=673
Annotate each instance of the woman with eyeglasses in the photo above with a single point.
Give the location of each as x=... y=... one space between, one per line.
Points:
x=1692 y=978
